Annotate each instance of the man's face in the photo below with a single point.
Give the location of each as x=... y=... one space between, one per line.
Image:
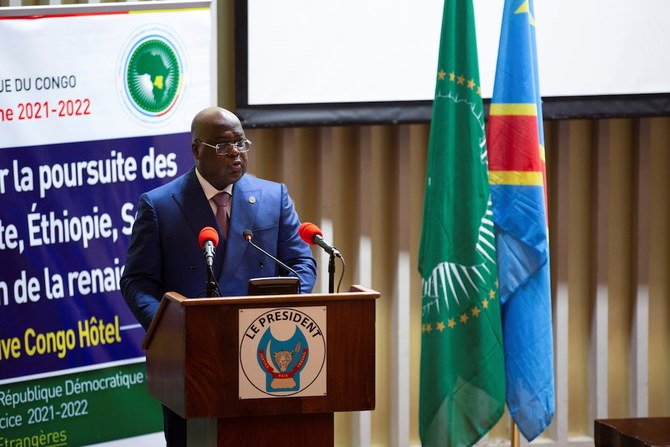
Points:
x=219 y=170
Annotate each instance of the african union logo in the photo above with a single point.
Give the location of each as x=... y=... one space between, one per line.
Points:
x=282 y=352
x=152 y=75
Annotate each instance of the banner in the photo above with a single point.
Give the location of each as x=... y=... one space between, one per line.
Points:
x=95 y=108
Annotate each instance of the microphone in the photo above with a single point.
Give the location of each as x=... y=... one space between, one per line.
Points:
x=208 y=240
x=248 y=235
x=311 y=234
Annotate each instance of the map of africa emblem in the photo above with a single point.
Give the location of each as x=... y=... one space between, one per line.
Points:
x=153 y=76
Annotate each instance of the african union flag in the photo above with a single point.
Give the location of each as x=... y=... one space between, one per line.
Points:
x=517 y=176
x=462 y=383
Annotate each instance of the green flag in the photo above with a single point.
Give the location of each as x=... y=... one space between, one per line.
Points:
x=462 y=392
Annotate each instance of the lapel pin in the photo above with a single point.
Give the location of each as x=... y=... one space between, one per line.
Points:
x=252 y=200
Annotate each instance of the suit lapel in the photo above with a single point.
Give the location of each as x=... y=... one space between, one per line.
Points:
x=246 y=202
x=196 y=211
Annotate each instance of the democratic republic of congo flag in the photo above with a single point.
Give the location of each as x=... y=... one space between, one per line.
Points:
x=518 y=178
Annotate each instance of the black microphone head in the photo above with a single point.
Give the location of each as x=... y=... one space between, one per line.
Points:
x=247 y=234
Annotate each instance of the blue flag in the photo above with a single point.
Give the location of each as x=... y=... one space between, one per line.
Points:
x=518 y=179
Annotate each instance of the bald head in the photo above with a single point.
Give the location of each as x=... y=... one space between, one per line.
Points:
x=213 y=117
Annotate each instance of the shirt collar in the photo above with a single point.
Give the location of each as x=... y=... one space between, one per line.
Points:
x=208 y=189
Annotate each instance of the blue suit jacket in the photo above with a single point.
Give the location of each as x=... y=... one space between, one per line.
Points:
x=164 y=254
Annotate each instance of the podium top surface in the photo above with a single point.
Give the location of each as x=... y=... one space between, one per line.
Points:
x=355 y=292
x=633 y=432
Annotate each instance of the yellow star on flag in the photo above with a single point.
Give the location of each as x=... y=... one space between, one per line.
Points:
x=525 y=8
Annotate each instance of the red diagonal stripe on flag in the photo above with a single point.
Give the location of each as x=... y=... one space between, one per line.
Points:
x=513 y=143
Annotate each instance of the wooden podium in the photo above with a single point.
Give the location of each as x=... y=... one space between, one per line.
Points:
x=194 y=367
x=632 y=432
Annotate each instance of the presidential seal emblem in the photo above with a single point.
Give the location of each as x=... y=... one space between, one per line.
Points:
x=282 y=360
x=282 y=352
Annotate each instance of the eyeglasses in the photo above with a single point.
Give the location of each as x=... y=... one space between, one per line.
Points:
x=228 y=149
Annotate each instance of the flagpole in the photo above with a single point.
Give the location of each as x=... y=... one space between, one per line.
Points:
x=515 y=435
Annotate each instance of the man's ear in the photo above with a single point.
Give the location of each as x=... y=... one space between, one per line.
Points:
x=195 y=149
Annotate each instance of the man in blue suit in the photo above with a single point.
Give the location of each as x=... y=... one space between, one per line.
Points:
x=164 y=254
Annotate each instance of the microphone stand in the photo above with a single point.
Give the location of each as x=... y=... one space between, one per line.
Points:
x=281 y=264
x=331 y=273
x=210 y=283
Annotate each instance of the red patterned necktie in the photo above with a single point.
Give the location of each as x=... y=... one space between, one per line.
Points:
x=221 y=200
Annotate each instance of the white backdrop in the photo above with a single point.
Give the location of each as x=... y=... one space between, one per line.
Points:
x=301 y=51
